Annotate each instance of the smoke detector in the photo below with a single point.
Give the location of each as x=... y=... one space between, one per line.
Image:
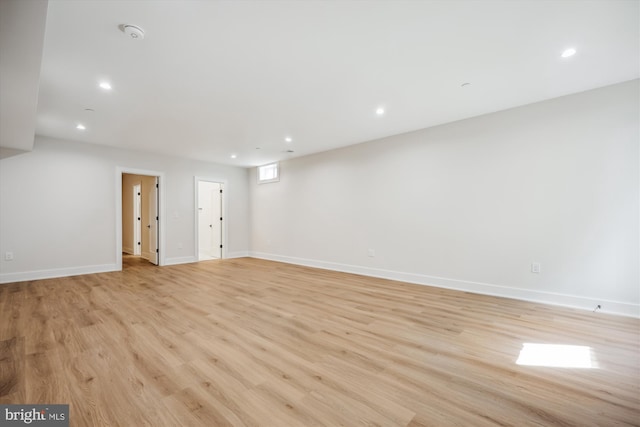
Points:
x=132 y=31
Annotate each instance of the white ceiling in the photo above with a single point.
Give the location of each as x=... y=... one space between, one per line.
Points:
x=215 y=78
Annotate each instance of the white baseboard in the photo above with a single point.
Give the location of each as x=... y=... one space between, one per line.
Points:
x=238 y=254
x=180 y=260
x=56 y=272
x=190 y=259
x=573 y=301
x=610 y=307
x=128 y=251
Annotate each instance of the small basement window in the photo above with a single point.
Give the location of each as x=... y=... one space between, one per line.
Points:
x=269 y=173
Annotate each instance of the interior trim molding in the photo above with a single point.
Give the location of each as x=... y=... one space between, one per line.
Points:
x=56 y=272
x=180 y=260
x=572 y=301
x=190 y=259
x=238 y=254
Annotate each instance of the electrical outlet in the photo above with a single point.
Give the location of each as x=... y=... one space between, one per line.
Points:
x=8 y=256
x=535 y=267
x=371 y=252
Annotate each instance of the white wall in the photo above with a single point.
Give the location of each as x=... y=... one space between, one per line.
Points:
x=471 y=204
x=58 y=210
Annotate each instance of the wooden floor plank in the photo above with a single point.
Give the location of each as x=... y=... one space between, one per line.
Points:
x=12 y=355
x=248 y=342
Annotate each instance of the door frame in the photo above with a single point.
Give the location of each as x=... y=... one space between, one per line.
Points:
x=120 y=170
x=223 y=233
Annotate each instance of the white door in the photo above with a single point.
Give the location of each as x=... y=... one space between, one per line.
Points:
x=216 y=221
x=137 y=220
x=152 y=220
x=205 y=242
x=209 y=220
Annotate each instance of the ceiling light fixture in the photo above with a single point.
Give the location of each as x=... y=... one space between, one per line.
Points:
x=80 y=126
x=288 y=139
x=233 y=156
x=568 y=52
x=380 y=111
x=132 y=31
x=105 y=85
x=465 y=84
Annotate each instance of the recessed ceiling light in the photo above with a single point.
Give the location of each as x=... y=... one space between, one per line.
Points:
x=380 y=111
x=80 y=126
x=105 y=85
x=91 y=110
x=568 y=52
x=288 y=139
x=465 y=84
x=233 y=156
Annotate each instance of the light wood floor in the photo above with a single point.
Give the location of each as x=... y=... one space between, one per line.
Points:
x=247 y=342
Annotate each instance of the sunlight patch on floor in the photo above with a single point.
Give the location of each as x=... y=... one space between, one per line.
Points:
x=557 y=356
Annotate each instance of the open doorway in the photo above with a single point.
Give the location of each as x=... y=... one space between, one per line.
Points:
x=140 y=226
x=209 y=219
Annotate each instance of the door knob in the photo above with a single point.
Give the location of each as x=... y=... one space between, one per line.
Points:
x=149 y=226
